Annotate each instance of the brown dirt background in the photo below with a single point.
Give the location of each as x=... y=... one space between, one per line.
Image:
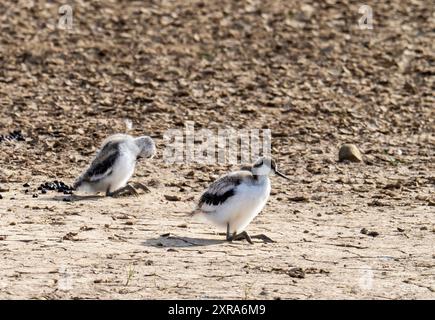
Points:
x=301 y=68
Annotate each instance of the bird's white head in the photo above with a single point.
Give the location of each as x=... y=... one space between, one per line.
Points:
x=265 y=166
x=146 y=146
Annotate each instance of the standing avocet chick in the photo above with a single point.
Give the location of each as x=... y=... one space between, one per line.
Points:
x=114 y=165
x=235 y=199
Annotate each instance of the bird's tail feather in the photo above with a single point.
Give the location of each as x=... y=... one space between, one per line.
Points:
x=77 y=184
x=194 y=212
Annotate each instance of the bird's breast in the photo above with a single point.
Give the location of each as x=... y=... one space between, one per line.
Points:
x=254 y=192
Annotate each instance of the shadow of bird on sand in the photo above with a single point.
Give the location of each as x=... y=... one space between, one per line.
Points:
x=74 y=198
x=172 y=241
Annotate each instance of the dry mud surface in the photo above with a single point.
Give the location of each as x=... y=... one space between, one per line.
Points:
x=304 y=69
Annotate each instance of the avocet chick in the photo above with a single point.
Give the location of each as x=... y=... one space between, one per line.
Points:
x=114 y=165
x=235 y=199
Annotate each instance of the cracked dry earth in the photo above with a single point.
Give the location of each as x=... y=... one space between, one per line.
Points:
x=301 y=68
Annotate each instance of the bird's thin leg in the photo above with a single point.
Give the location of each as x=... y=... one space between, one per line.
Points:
x=243 y=235
x=128 y=189
x=263 y=237
x=141 y=186
x=229 y=237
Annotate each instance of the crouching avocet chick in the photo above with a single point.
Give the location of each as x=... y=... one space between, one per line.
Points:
x=114 y=165
x=235 y=199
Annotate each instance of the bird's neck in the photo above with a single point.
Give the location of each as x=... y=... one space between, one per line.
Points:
x=136 y=150
x=260 y=179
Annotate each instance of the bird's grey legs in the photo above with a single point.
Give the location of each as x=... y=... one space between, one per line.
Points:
x=241 y=236
x=244 y=235
x=235 y=236
x=128 y=189
x=140 y=185
x=229 y=238
x=263 y=237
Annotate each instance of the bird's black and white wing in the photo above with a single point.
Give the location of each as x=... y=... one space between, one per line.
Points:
x=102 y=165
x=219 y=191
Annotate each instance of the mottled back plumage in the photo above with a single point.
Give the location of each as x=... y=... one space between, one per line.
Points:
x=222 y=189
x=102 y=165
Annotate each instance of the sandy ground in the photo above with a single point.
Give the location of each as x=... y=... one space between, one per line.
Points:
x=302 y=69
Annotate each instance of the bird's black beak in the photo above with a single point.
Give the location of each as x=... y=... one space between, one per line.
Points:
x=281 y=175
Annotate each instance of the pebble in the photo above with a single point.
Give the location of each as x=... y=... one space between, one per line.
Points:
x=172 y=198
x=301 y=198
x=369 y=233
x=349 y=152
x=296 y=273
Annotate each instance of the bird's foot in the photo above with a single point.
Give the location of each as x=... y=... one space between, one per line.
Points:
x=127 y=190
x=140 y=185
x=263 y=237
x=241 y=236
